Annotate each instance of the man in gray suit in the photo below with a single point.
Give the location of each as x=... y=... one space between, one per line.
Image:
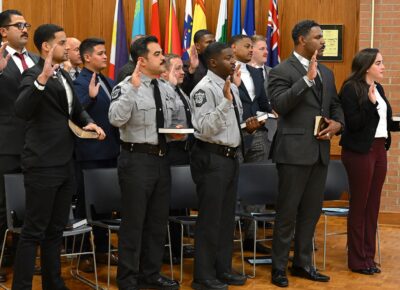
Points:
x=300 y=90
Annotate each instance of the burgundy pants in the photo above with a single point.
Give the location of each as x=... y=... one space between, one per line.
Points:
x=366 y=173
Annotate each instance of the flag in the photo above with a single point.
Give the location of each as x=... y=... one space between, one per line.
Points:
x=236 y=18
x=155 y=21
x=119 y=47
x=138 y=26
x=172 y=38
x=1 y=5
x=199 y=18
x=273 y=35
x=220 y=34
x=249 y=26
x=187 y=30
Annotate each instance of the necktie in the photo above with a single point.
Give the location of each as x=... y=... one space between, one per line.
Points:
x=318 y=85
x=22 y=58
x=76 y=73
x=186 y=105
x=103 y=86
x=162 y=143
x=235 y=108
x=59 y=77
x=261 y=70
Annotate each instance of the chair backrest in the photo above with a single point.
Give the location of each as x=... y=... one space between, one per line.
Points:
x=15 y=200
x=102 y=191
x=258 y=183
x=336 y=181
x=183 y=189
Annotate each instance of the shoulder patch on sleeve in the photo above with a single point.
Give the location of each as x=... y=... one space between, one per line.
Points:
x=116 y=93
x=200 y=98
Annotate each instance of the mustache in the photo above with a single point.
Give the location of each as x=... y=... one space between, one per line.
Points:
x=323 y=46
x=24 y=34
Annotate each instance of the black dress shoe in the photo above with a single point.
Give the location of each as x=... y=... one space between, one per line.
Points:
x=209 y=285
x=3 y=276
x=158 y=282
x=279 y=278
x=86 y=265
x=375 y=270
x=188 y=252
x=310 y=274
x=367 y=271
x=248 y=245
x=232 y=279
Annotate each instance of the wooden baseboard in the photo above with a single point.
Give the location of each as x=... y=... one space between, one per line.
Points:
x=389 y=218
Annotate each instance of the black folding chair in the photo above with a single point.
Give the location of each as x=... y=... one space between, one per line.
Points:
x=15 y=207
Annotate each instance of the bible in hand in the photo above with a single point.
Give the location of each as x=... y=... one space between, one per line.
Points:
x=79 y=132
x=319 y=125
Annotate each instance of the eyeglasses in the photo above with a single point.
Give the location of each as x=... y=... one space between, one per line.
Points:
x=20 y=25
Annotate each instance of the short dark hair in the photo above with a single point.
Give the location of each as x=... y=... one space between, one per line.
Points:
x=45 y=33
x=139 y=47
x=238 y=37
x=214 y=49
x=302 y=29
x=5 y=17
x=88 y=44
x=199 y=34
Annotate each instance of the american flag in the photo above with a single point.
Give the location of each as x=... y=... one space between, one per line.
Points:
x=273 y=34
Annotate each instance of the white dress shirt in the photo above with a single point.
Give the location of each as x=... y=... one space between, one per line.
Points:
x=247 y=79
x=381 y=130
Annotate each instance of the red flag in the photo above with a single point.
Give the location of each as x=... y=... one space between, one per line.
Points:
x=155 y=21
x=172 y=38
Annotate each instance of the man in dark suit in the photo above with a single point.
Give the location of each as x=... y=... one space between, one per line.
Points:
x=14 y=59
x=300 y=90
x=196 y=67
x=254 y=99
x=94 y=93
x=46 y=102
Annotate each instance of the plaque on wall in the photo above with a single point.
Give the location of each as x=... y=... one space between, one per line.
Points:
x=333 y=36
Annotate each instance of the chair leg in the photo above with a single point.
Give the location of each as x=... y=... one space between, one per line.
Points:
x=379 y=244
x=254 y=249
x=325 y=227
x=109 y=259
x=2 y=254
x=181 y=263
x=241 y=246
x=313 y=253
x=170 y=252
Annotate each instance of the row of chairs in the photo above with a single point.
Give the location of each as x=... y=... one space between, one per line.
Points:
x=258 y=184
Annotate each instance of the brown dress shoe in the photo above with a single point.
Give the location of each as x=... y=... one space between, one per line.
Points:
x=102 y=258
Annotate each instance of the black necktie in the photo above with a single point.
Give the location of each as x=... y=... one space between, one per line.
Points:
x=162 y=143
x=318 y=84
x=186 y=105
x=235 y=108
x=76 y=73
x=261 y=70
x=59 y=77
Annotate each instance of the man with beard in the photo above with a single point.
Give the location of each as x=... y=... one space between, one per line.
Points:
x=217 y=113
x=140 y=106
x=47 y=101
x=14 y=60
x=300 y=90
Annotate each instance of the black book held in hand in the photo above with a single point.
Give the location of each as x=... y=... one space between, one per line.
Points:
x=320 y=124
x=75 y=223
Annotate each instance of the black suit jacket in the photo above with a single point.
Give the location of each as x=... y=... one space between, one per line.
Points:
x=191 y=80
x=362 y=120
x=297 y=105
x=12 y=128
x=91 y=149
x=48 y=139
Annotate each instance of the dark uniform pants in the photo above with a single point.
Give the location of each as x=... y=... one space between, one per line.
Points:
x=48 y=200
x=216 y=178
x=145 y=182
x=298 y=208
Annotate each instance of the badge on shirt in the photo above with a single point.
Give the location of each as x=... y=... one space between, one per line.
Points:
x=200 y=98
x=116 y=93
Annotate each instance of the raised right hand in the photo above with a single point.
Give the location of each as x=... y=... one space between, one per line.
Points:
x=371 y=93
x=48 y=67
x=135 y=79
x=312 y=67
x=4 y=60
x=227 y=89
x=93 y=88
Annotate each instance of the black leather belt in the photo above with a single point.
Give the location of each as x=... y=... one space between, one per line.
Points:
x=143 y=148
x=226 y=151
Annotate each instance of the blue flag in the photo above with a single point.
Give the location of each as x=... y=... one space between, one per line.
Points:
x=187 y=30
x=249 y=26
x=138 y=25
x=236 y=18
